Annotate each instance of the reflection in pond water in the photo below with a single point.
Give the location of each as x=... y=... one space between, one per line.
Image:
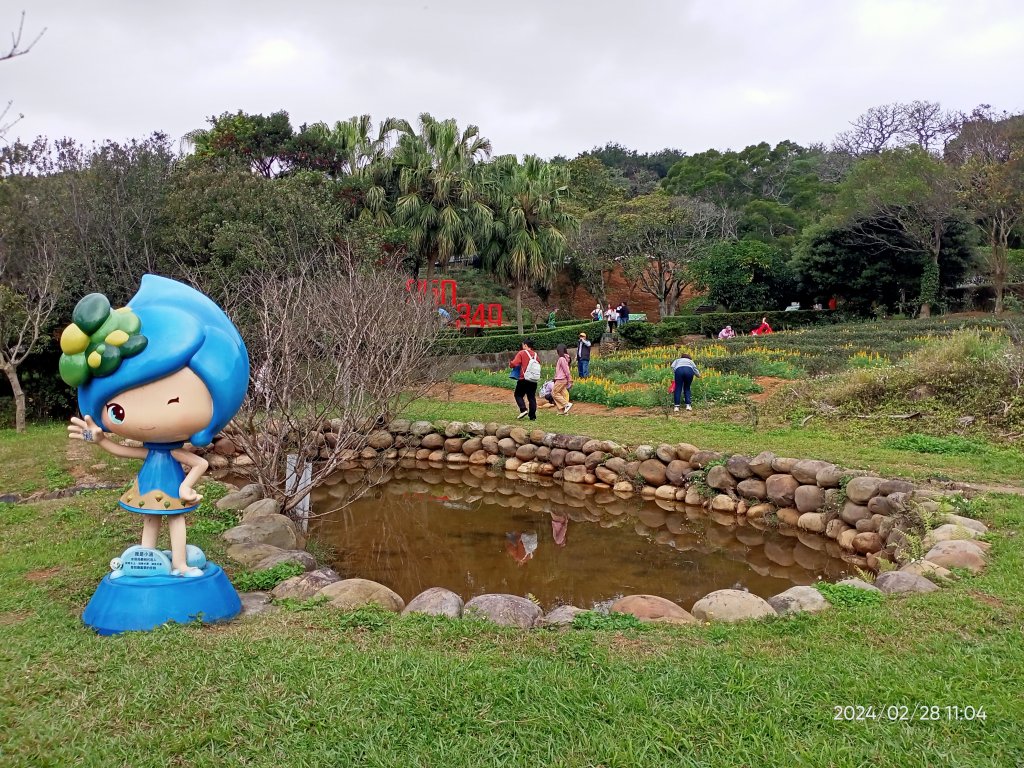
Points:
x=475 y=532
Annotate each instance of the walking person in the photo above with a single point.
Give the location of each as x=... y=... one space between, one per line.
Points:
x=612 y=316
x=685 y=371
x=583 y=356
x=526 y=386
x=563 y=380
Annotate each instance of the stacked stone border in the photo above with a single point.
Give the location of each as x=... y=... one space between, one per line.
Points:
x=886 y=526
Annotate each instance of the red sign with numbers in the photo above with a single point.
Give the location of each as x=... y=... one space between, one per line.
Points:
x=445 y=293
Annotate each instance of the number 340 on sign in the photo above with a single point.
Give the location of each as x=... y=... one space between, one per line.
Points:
x=481 y=316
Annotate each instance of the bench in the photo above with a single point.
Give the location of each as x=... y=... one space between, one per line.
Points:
x=637 y=317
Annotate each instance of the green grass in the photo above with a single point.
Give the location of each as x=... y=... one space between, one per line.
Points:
x=314 y=687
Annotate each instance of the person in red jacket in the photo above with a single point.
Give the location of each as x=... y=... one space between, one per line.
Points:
x=763 y=329
x=524 y=388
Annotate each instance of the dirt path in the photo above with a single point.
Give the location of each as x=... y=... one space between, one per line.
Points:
x=770 y=385
x=477 y=393
x=80 y=455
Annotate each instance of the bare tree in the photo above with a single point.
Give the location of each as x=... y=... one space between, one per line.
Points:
x=928 y=125
x=337 y=346
x=924 y=123
x=29 y=279
x=872 y=131
x=17 y=48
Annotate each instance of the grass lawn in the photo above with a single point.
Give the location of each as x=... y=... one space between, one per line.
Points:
x=318 y=688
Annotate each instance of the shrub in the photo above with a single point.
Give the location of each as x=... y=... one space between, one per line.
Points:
x=639 y=334
x=938 y=445
x=512 y=340
x=846 y=596
x=267 y=578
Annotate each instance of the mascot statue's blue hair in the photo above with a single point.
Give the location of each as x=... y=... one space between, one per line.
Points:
x=167 y=369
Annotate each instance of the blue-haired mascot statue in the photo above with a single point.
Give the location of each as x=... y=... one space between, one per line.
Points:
x=167 y=369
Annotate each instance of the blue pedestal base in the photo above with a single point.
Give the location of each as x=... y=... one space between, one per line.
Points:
x=140 y=603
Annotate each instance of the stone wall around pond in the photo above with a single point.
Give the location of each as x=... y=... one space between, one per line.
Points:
x=865 y=519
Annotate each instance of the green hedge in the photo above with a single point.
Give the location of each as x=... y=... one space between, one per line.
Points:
x=743 y=322
x=509 y=342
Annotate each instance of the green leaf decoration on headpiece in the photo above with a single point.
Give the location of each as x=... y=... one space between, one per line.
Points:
x=98 y=339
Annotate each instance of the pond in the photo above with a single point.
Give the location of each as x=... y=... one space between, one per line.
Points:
x=475 y=532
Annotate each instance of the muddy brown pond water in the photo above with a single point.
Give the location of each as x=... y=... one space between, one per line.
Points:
x=476 y=532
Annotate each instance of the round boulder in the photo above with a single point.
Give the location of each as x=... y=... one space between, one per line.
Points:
x=299 y=556
x=562 y=616
x=241 y=498
x=860 y=490
x=261 y=508
x=761 y=465
x=720 y=479
x=653 y=472
x=752 y=488
x=902 y=582
x=649 y=608
x=799 y=600
x=807 y=471
x=436 y=601
x=380 y=440
x=276 y=530
x=958 y=554
x=731 y=605
x=665 y=453
x=507 y=610
x=305 y=586
x=809 y=498
x=349 y=594
x=781 y=489
x=739 y=467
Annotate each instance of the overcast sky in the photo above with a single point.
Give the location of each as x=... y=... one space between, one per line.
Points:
x=538 y=76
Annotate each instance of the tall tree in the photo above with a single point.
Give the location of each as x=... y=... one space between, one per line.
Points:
x=352 y=151
x=441 y=196
x=528 y=235
x=909 y=190
x=743 y=275
x=989 y=159
x=263 y=141
x=659 y=237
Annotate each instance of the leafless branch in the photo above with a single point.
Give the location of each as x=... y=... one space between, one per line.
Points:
x=337 y=346
x=17 y=49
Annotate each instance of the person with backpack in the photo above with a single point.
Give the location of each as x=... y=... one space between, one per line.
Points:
x=528 y=362
x=563 y=380
x=685 y=371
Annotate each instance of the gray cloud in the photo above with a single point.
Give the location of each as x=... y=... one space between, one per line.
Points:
x=543 y=76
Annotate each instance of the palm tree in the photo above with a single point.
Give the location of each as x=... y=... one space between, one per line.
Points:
x=351 y=150
x=528 y=236
x=440 y=191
